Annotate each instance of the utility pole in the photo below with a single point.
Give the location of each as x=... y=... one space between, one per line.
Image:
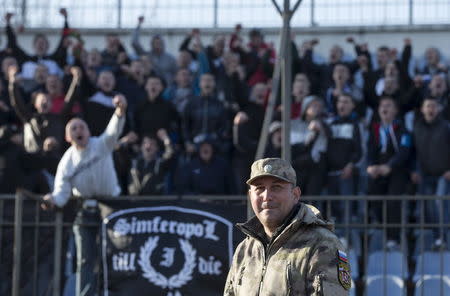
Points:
x=283 y=73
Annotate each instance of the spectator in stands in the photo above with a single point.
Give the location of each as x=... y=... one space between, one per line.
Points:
x=131 y=83
x=7 y=114
x=341 y=84
x=114 y=53
x=99 y=107
x=154 y=112
x=433 y=63
x=344 y=148
x=275 y=140
x=394 y=82
x=260 y=59
x=232 y=89
x=37 y=83
x=182 y=91
x=388 y=154
x=300 y=90
x=205 y=116
x=309 y=146
x=432 y=145
x=163 y=63
x=149 y=170
x=247 y=126
x=54 y=62
x=19 y=168
x=206 y=173
x=41 y=128
x=87 y=171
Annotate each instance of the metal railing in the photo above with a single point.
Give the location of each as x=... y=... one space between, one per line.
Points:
x=226 y=13
x=354 y=220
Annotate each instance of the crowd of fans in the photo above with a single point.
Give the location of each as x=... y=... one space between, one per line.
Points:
x=364 y=125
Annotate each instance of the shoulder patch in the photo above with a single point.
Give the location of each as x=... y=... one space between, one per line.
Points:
x=343 y=267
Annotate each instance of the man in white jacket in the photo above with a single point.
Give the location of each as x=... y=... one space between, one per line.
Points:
x=86 y=171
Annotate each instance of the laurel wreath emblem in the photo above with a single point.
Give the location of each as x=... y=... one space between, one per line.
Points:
x=175 y=281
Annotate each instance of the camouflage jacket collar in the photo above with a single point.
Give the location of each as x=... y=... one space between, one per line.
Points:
x=306 y=215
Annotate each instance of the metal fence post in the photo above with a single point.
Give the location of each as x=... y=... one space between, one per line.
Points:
x=18 y=213
x=119 y=14
x=216 y=11
x=411 y=11
x=58 y=253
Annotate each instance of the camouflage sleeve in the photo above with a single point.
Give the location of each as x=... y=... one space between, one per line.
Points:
x=328 y=270
x=233 y=273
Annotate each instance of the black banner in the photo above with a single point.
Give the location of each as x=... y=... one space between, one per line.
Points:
x=166 y=249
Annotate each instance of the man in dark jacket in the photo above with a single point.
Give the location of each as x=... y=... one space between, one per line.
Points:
x=343 y=153
x=154 y=112
x=388 y=154
x=205 y=116
x=19 y=168
x=432 y=143
x=149 y=170
x=206 y=173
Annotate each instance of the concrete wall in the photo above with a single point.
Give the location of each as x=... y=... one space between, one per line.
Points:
x=422 y=37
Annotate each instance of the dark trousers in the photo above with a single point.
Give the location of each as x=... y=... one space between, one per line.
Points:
x=393 y=184
x=88 y=250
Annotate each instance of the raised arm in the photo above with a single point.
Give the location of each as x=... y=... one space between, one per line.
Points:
x=60 y=54
x=15 y=96
x=115 y=126
x=135 y=39
x=70 y=97
x=18 y=52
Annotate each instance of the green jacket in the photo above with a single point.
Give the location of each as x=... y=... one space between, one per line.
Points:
x=303 y=259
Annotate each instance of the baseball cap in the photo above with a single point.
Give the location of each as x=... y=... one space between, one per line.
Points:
x=273 y=167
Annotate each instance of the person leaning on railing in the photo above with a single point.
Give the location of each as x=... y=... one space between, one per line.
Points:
x=87 y=171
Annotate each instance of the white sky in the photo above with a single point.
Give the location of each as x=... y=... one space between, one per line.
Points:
x=251 y=13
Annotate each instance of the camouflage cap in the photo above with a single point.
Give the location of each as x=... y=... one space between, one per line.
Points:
x=274 y=167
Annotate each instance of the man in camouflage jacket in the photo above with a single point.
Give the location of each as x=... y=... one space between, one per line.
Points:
x=289 y=249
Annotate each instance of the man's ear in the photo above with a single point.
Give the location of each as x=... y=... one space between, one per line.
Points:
x=68 y=138
x=297 y=193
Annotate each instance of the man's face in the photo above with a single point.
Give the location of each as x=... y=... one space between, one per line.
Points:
x=300 y=88
x=137 y=68
x=341 y=74
x=437 y=85
x=344 y=106
x=219 y=45
x=106 y=81
x=153 y=87
x=157 y=44
x=259 y=92
x=276 y=138
x=94 y=58
x=315 y=108
x=40 y=46
x=391 y=70
x=183 y=78
x=42 y=103
x=390 y=85
x=382 y=58
x=430 y=110
x=77 y=133
x=53 y=84
x=207 y=84
x=387 y=110
x=40 y=74
x=272 y=200
x=432 y=56
x=184 y=59
x=336 y=54
x=6 y=63
x=205 y=152
x=149 y=147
